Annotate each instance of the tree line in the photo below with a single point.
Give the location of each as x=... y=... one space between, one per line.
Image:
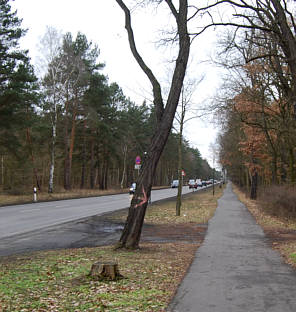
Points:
x=258 y=108
x=71 y=128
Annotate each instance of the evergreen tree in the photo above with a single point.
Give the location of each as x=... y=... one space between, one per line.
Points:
x=17 y=79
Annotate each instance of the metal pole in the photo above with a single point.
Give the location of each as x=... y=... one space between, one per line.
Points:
x=2 y=170
x=213 y=181
x=35 y=194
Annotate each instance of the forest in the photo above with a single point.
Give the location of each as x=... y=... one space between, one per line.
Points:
x=70 y=128
x=257 y=107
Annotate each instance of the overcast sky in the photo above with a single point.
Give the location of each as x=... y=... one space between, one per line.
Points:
x=102 y=22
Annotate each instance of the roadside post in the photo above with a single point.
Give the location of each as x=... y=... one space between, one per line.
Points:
x=35 y=194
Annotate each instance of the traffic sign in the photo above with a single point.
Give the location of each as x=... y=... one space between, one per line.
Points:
x=138 y=160
x=183 y=173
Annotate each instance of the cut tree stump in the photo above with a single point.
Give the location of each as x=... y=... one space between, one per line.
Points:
x=105 y=270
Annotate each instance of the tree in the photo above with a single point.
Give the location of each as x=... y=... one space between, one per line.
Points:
x=78 y=63
x=50 y=49
x=185 y=106
x=164 y=118
x=18 y=84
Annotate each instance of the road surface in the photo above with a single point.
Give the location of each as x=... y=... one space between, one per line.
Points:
x=19 y=219
x=65 y=224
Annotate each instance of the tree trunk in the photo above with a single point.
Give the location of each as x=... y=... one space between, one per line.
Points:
x=92 y=164
x=83 y=169
x=164 y=116
x=292 y=166
x=254 y=182
x=33 y=160
x=180 y=177
x=124 y=165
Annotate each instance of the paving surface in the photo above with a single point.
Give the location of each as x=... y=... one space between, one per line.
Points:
x=235 y=269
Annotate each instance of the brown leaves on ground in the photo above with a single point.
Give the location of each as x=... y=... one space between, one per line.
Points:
x=280 y=231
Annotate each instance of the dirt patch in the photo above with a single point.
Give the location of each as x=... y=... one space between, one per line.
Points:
x=165 y=233
x=280 y=235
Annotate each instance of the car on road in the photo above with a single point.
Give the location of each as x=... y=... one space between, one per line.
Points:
x=191 y=183
x=175 y=184
x=198 y=183
x=133 y=188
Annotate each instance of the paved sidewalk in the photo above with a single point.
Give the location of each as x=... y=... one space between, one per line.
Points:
x=235 y=269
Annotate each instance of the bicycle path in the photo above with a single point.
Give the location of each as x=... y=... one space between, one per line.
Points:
x=236 y=269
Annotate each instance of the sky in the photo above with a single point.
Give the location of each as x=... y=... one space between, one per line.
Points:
x=102 y=21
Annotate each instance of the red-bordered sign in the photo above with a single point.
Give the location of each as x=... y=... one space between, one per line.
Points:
x=138 y=160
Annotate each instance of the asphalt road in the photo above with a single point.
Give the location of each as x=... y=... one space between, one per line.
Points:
x=65 y=224
x=235 y=269
x=19 y=219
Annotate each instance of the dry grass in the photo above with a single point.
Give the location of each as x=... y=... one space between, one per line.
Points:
x=279 y=201
x=197 y=208
x=8 y=199
x=281 y=230
x=11 y=199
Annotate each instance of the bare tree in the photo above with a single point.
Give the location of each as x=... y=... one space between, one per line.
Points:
x=164 y=118
x=185 y=106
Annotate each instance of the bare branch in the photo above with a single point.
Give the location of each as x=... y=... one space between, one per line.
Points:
x=158 y=101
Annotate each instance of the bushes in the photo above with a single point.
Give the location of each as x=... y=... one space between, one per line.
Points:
x=279 y=201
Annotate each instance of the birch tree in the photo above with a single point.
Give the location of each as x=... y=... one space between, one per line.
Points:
x=50 y=47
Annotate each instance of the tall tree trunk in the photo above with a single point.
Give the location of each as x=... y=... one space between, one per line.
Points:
x=69 y=150
x=82 y=182
x=124 y=165
x=180 y=176
x=92 y=164
x=29 y=140
x=254 y=183
x=52 y=159
x=133 y=227
x=292 y=166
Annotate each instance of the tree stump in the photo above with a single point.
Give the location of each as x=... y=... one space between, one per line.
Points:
x=105 y=270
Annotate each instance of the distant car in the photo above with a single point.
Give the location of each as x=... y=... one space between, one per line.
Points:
x=198 y=183
x=191 y=183
x=175 y=184
x=133 y=188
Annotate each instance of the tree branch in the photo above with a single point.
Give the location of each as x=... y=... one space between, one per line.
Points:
x=158 y=101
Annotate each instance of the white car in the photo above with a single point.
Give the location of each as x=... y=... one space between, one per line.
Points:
x=175 y=183
x=133 y=188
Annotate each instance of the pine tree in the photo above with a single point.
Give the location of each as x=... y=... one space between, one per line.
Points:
x=17 y=79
